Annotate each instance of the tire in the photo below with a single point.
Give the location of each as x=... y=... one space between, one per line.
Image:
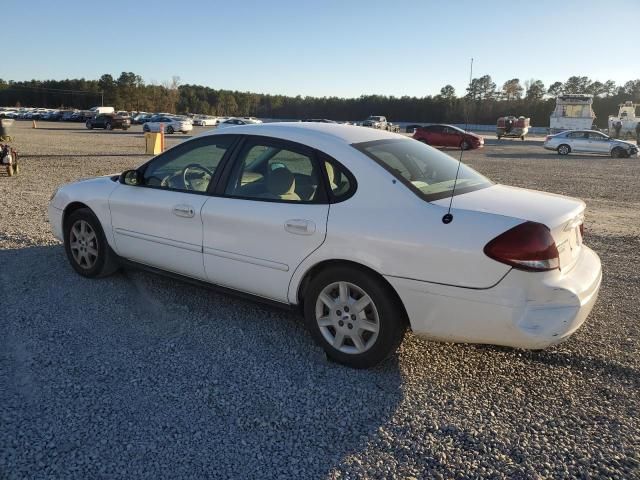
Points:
x=617 y=153
x=564 y=149
x=464 y=145
x=522 y=138
x=82 y=228
x=89 y=125
x=499 y=137
x=146 y=129
x=170 y=130
x=108 y=126
x=383 y=317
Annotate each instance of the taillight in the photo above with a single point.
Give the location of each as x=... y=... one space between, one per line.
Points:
x=548 y=138
x=528 y=246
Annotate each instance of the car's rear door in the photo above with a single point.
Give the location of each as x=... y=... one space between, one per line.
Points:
x=158 y=223
x=432 y=134
x=578 y=141
x=258 y=227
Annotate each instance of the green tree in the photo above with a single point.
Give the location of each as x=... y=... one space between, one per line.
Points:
x=555 y=89
x=512 y=90
x=535 y=91
x=577 y=85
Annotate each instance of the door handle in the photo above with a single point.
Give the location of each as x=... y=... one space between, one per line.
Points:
x=300 y=227
x=184 y=211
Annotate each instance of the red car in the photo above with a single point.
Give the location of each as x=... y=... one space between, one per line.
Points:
x=448 y=136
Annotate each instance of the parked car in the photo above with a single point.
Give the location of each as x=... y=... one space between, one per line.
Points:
x=319 y=120
x=234 y=122
x=171 y=125
x=78 y=116
x=93 y=111
x=346 y=224
x=375 y=121
x=108 y=122
x=589 y=141
x=67 y=116
x=141 y=118
x=205 y=121
x=448 y=136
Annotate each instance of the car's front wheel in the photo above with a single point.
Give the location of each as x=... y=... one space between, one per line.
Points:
x=89 y=125
x=87 y=249
x=170 y=130
x=618 y=153
x=108 y=126
x=354 y=316
x=564 y=149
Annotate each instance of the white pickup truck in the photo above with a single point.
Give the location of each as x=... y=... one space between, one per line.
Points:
x=379 y=122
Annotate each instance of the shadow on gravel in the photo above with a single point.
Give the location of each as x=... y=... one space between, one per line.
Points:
x=548 y=155
x=118 y=374
x=573 y=361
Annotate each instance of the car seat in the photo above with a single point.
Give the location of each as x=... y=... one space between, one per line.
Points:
x=281 y=184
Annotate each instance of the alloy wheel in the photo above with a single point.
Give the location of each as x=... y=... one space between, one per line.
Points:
x=347 y=317
x=83 y=243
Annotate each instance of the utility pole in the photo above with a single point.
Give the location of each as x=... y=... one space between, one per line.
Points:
x=102 y=98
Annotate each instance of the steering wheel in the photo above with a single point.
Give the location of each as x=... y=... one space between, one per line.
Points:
x=193 y=166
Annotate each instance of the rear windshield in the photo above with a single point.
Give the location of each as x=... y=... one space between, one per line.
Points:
x=426 y=171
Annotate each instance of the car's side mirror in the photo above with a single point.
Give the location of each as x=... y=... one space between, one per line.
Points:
x=131 y=177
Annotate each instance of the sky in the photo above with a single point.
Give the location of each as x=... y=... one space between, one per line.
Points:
x=339 y=48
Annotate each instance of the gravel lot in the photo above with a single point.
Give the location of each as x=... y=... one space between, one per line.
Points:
x=138 y=376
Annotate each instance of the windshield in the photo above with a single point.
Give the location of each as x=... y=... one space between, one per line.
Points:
x=425 y=170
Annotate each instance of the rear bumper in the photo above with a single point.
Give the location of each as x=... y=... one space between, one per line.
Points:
x=524 y=310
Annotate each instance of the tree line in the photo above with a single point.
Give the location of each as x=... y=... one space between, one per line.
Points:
x=482 y=102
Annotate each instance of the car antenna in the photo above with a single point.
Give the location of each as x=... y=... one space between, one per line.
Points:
x=447 y=218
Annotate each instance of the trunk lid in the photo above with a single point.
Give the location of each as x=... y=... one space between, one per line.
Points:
x=562 y=215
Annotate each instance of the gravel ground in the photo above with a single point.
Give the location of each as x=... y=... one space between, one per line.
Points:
x=138 y=376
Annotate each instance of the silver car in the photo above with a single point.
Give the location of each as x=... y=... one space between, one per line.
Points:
x=589 y=141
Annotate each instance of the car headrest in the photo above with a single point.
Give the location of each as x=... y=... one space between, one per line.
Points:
x=281 y=181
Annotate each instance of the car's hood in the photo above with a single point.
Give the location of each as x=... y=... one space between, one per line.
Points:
x=546 y=208
x=623 y=143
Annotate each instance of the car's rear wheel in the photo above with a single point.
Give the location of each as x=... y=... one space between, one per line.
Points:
x=353 y=316
x=89 y=125
x=564 y=149
x=108 y=126
x=464 y=145
x=87 y=249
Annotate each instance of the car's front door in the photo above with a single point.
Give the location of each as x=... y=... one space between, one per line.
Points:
x=598 y=142
x=268 y=215
x=452 y=137
x=158 y=223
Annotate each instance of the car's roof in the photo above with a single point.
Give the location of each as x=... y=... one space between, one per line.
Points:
x=291 y=130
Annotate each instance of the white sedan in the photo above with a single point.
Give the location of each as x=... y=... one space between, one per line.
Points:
x=205 y=121
x=234 y=122
x=349 y=225
x=589 y=141
x=170 y=125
